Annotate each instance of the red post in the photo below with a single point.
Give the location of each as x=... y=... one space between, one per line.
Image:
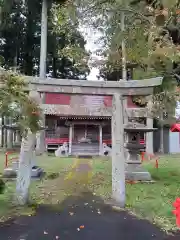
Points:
x=6 y=159
x=176 y=212
x=142 y=156
x=157 y=164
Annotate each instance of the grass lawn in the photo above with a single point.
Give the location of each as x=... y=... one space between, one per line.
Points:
x=152 y=201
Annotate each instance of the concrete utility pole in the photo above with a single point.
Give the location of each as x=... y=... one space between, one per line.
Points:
x=118 y=173
x=40 y=145
x=118 y=156
x=123 y=46
x=124 y=69
x=43 y=51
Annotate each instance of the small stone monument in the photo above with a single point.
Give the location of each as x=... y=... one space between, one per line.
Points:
x=11 y=171
x=134 y=168
x=62 y=151
x=107 y=151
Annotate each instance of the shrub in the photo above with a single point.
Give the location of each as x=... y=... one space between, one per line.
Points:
x=2 y=186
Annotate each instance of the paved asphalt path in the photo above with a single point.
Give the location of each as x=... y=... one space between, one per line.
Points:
x=83 y=218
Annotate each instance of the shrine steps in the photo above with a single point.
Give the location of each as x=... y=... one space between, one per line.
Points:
x=85 y=149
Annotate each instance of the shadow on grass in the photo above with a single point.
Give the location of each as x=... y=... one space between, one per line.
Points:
x=84 y=216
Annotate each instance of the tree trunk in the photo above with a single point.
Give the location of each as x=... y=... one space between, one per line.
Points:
x=25 y=166
x=149 y=124
x=10 y=136
x=29 y=41
x=149 y=136
x=5 y=133
x=54 y=59
x=2 y=132
x=161 y=150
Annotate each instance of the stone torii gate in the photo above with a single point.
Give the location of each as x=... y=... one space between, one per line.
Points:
x=118 y=90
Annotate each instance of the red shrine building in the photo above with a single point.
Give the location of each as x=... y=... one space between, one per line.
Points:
x=67 y=121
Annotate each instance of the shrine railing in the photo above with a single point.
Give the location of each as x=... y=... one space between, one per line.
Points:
x=52 y=137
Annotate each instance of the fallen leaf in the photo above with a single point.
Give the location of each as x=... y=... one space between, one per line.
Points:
x=115 y=208
x=98 y=211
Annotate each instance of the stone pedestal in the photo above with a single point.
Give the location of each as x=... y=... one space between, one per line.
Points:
x=11 y=172
x=136 y=172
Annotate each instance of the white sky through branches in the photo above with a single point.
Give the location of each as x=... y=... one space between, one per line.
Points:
x=90 y=37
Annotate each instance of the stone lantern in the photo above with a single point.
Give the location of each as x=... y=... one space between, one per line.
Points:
x=134 y=168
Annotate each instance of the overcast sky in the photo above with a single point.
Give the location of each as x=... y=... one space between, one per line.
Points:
x=91 y=36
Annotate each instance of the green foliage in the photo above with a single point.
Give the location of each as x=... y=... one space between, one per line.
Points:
x=16 y=103
x=151 y=37
x=164 y=103
x=147 y=37
x=66 y=24
x=20 y=46
x=141 y=73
